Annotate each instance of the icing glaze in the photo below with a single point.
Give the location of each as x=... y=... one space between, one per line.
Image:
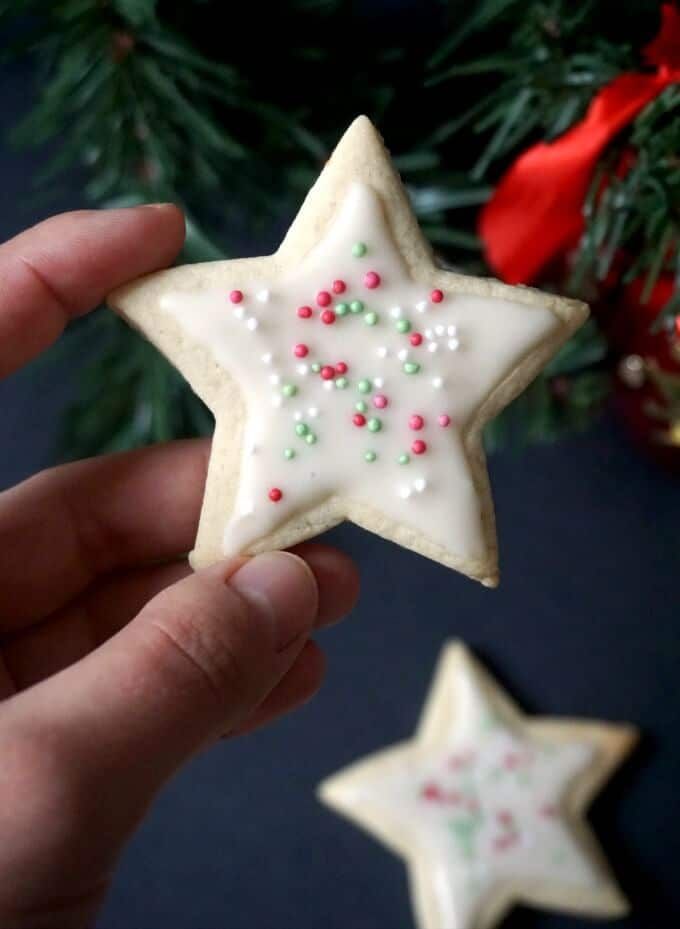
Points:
x=350 y=326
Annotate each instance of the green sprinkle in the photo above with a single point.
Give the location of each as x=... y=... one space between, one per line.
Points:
x=341 y=382
x=310 y=438
x=374 y=425
x=370 y=456
x=364 y=386
x=411 y=367
x=356 y=306
x=288 y=453
x=371 y=318
x=359 y=249
x=315 y=366
x=289 y=390
x=360 y=406
x=403 y=325
x=301 y=429
x=341 y=309
x=403 y=459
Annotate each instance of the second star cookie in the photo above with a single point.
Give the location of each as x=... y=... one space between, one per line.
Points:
x=350 y=377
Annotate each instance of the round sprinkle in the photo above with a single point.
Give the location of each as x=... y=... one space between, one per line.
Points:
x=371 y=318
x=341 y=382
x=275 y=494
x=304 y=312
x=359 y=249
x=370 y=456
x=310 y=438
x=339 y=287
x=288 y=453
x=301 y=429
x=300 y=350
x=328 y=317
x=315 y=366
x=444 y=420
x=380 y=401
x=356 y=306
x=371 y=280
x=403 y=325
x=341 y=367
x=236 y=296
x=360 y=406
x=415 y=339
x=374 y=424
x=364 y=386
x=359 y=419
x=411 y=367
x=323 y=298
x=416 y=422
x=403 y=459
x=436 y=296
x=289 y=390
x=327 y=373
x=418 y=447
x=437 y=382
x=341 y=309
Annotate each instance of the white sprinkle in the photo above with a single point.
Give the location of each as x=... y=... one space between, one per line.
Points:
x=313 y=412
x=421 y=306
x=277 y=400
x=429 y=334
x=403 y=354
x=303 y=368
x=252 y=323
x=404 y=492
x=382 y=351
x=420 y=484
x=439 y=329
x=451 y=330
x=378 y=382
x=266 y=358
x=262 y=295
x=328 y=385
x=297 y=416
x=437 y=382
x=453 y=344
x=275 y=379
x=395 y=312
x=239 y=312
x=432 y=346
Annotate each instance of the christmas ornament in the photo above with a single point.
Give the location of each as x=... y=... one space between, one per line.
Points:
x=350 y=377
x=487 y=806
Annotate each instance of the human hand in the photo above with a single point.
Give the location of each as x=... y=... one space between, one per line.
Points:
x=116 y=662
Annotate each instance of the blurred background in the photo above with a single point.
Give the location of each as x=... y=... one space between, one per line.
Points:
x=138 y=100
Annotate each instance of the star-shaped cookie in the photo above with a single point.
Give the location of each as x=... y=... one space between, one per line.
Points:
x=487 y=806
x=350 y=377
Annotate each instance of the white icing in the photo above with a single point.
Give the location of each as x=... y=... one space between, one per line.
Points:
x=497 y=334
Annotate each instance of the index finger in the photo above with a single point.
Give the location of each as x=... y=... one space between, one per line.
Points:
x=64 y=267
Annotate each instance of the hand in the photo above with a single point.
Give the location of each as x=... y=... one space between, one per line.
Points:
x=116 y=662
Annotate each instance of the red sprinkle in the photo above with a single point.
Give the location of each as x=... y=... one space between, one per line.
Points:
x=300 y=350
x=436 y=296
x=236 y=296
x=323 y=298
x=416 y=422
x=328 y=317
x=371 y=279
x=341 y=367
x=418 y=447
x=304 y=312
x=275 y=494
x=339 y=287
x=380 y=401
x=359 y=419
x=415 y=338
x=444 y=420
x=327 y=373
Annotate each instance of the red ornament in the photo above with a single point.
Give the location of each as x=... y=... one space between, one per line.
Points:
x=275 y=494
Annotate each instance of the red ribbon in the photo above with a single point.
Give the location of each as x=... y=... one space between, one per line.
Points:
x=535 y=212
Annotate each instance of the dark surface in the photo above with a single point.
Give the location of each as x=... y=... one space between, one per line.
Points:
x=586 y=623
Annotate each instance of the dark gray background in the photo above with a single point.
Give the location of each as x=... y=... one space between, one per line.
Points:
x=586 y=623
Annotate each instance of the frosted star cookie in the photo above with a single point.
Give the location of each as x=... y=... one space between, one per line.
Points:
x=487 y=806
x=350 y=377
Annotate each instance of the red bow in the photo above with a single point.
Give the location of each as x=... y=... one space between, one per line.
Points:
x=535 y=212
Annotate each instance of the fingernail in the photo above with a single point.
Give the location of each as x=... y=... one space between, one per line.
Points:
x=154 y=206
x=281 y=586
